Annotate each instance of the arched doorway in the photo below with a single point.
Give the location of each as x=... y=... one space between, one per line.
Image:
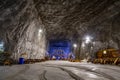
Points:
x=59 y=49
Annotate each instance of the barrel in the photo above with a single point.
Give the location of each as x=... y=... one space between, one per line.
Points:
x=21 y=60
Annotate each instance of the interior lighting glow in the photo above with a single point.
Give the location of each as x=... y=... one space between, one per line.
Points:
x=74 y=45
x=104 y=52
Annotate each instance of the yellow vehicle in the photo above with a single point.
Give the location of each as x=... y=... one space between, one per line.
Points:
x=107 y=56
x=108 y=53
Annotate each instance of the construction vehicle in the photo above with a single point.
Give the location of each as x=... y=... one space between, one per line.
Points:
x=107 y=56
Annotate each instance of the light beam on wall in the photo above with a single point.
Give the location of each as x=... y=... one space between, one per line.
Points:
x=83 y=45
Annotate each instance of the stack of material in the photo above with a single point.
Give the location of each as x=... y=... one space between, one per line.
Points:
x=5 y=59
x=108 y=56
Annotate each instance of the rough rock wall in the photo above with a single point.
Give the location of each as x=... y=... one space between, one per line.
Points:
x=105 y=26
x=89 y=50
x=65 y=19
x=19 y=29
x=105 y=30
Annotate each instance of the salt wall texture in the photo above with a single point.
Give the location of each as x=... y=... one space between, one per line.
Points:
x=20 y=21
x=19 y=29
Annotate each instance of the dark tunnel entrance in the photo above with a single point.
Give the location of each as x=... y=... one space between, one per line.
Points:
x=59 y=49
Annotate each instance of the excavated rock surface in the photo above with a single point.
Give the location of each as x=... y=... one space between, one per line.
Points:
x=74 y=19
x=19 y=29
x=20 y=21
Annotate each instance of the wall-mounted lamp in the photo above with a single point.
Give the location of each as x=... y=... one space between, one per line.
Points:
x=40 y=30
x=74 y=45
x=104 y=52
x=88 y=39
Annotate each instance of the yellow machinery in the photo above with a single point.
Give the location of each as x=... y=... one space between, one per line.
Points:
x=5 y=58
x=107 y=56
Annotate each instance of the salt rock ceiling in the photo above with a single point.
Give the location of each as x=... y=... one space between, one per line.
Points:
x=64 y=19
x=21 y=20
x=72 y=19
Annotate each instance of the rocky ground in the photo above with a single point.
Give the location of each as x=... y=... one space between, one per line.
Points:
x=60 y=70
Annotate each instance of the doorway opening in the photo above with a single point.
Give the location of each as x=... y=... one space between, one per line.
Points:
x=59 y=49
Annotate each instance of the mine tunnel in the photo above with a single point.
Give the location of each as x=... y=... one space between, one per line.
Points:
x=61 y=33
